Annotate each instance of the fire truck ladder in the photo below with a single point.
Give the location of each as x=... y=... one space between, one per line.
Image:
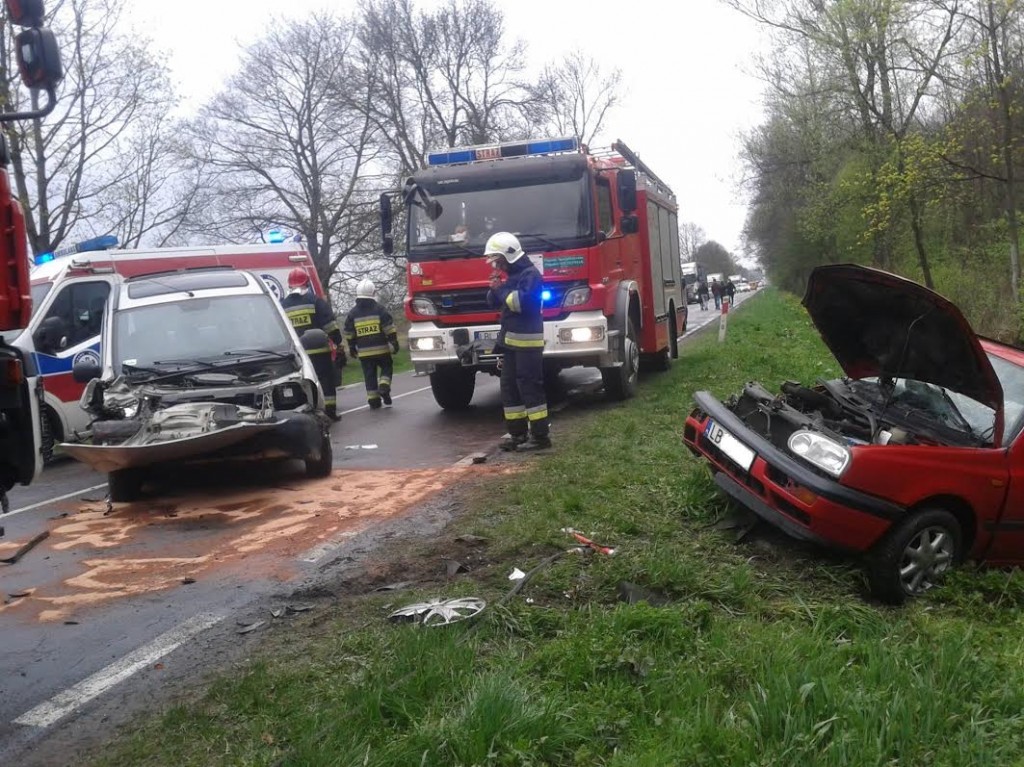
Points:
x=637 y=163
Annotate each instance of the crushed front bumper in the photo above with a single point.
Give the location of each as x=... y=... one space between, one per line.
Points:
x=784 y=491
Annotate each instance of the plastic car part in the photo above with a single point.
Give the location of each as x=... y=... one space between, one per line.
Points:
x=440 y=612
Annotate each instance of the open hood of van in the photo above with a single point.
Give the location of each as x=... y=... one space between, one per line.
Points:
x=881 y=325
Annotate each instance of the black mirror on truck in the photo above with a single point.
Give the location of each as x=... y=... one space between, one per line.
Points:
x=625 y=182
x=37 y=54
x=85 y=369
x=386 y=222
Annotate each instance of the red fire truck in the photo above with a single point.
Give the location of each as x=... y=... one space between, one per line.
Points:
x=601 y=227
x=38 y=60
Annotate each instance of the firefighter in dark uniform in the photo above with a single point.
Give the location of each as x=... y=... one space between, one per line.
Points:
x=520 y=341
x=371 y=336
x=307 y=310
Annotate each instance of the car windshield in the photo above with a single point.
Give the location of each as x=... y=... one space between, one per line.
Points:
x=1011 y=377
x=548 y=216
x=39 y=293
x=197 y=329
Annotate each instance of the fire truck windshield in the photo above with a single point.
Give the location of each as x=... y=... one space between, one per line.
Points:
x=550 y=216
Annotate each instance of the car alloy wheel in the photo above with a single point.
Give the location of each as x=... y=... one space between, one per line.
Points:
x=926 y=557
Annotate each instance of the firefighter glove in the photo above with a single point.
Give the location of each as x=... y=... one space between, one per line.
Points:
x=395 y=347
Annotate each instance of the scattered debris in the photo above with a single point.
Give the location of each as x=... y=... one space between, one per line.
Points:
x=247 y=628
x=471 y=539
x=297 y=608
x=26 y=548
x=587 y=542
x=360 y=447
x=187 y=581
x=158 y=666
x=395 y=586
x=70 y=623
x=277 y=613
x=453 y=567
x=90 y=499
x=439 y=612
x=20 y=594
x=529 y=600
x=516 y=575
x=738 y=519
x=62 y=515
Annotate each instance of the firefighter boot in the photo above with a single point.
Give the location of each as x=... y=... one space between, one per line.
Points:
x=385 y=394
x=512 y=442
x=536 y=442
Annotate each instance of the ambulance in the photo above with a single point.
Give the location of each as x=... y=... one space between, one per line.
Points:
x=70 y=288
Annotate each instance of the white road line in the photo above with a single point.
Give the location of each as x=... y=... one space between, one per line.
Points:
x=397 y=396
x=62 y=704
x=48 y=501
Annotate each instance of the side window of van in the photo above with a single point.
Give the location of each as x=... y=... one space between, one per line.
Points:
x=80 y=307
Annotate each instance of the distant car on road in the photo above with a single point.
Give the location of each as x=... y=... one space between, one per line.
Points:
x=199 y=365
x=915 y=459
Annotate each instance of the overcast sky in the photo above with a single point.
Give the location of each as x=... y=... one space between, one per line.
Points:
x=688 y=91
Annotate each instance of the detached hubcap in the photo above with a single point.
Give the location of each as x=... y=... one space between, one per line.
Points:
x=928 y=555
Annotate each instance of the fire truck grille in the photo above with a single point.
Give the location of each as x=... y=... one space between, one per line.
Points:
x=474 y=300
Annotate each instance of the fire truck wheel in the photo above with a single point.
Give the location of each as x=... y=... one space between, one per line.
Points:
x=49 y=428
x=125 y=485
x=620 y=382
x=453 y=387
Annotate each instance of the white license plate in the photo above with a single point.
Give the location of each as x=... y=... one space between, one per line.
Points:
x=739 y=453
x=486 y=335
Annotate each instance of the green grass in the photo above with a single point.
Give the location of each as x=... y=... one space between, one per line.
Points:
x=759 y=655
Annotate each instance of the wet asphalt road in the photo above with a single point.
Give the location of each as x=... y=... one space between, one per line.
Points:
x=104 y=595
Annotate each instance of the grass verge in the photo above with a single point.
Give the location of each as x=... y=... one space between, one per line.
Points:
x=758 y=653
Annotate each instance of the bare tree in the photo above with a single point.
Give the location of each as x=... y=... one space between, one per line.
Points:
x=578 y=95
x=691 y=237
x=66 y=164
x=285 y=145
x=443 y=78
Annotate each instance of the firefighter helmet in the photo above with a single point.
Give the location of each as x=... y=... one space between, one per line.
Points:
x=504 y=244
x=297 y=278
x=366 y=288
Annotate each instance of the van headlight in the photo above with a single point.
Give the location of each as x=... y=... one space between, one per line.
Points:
x=818 y=450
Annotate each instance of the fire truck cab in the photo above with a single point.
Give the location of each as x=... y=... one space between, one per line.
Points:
x=600 y=226
x=70 y=289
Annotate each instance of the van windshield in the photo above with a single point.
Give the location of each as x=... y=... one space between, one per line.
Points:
x=197 y=329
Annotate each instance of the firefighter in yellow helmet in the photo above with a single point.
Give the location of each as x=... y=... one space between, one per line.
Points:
x=371 y=336
x=516 y=289
x=306 y=310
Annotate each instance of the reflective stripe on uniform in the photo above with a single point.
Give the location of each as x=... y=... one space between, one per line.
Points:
x=384 y=381
x=537 y=413
x=373 y=351
x=372 y=396
x=515 y=413
x=328 y=401
x=512 y=301
x=524 y=340
x=323 y=350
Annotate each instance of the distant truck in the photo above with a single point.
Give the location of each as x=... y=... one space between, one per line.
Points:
x=716 y=276
x=692 y=274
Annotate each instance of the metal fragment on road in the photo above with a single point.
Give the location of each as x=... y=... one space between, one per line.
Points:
x=516 y=574
x=454 y=567
x=298 y=608
x=440 y=612
x=26 y=548
x=251 y=627
x=395 y=586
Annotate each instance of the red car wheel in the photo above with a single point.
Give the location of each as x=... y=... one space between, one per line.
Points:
x=914 y=555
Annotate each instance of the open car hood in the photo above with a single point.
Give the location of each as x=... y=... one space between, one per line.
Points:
x=879 y=324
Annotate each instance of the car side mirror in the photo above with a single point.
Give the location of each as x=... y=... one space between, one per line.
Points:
x=629 y=224
x=86 y=369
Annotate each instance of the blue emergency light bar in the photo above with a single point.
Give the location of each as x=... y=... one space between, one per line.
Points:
x=501 y=151
x=104 y=242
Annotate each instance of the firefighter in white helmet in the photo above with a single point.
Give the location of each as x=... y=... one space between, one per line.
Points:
x=516 y=288
x=371 y=336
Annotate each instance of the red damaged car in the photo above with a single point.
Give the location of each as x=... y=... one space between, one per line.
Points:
x=913 y=459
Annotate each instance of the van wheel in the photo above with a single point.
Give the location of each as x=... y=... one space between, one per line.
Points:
x=912 y=557
x=620 y=382
x=322 y=467
x=453 y=386
x=125 y=485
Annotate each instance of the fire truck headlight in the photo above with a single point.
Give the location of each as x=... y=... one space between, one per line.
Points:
x=580 y=335
x=427 y=343
x=424 y=306
x=576 y=297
